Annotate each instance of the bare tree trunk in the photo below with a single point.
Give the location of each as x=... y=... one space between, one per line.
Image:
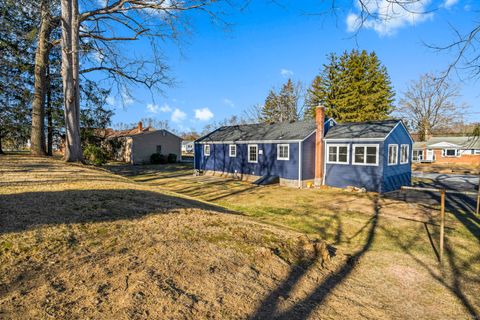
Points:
x=1 y=150
x=70 y=44
x=49 y=115
x=37 y=137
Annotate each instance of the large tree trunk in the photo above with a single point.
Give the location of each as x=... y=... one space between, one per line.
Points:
x=49 y=115
x=70 y=63
x=37 y=137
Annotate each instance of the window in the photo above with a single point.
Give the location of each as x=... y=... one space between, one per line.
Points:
x=252 y=153
x=365 y=154
x=404 y=153
x=392 y=154
x=159 y=149
x=232 y=150
x=337 y=153
x=417 y=155
x=206 y=150
x=449 y=152
x=283 y=152
x=476 y=151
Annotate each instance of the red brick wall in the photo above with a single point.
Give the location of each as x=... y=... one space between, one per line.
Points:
x=465 y=158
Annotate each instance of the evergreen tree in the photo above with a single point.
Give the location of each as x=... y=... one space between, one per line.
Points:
x=17 y=35
x=352 y=87
x=282 y=106
x=270 y=109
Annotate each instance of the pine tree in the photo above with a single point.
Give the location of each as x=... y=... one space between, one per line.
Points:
x=352 y=87
x=270 y=108
x=282 y=106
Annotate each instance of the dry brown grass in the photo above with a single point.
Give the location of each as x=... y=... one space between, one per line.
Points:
x=77 y=242
x=345 y=220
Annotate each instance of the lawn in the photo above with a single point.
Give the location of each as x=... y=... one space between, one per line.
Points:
x=388 y=235
x=138 y=242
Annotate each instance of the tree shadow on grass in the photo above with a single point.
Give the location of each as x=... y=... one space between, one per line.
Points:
x=303 y=309
x=24 y=211
x=461 y=206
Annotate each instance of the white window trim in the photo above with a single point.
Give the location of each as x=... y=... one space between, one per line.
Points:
x=337 y=146
x=420 y=155
x=396 y=155
x=354 y=146
x=288 y=151
x=205 y=147
x=230 y=154
x=444 y=153
x=408 y=153
x=248 y=153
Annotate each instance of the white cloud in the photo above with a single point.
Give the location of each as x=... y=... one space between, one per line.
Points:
x=165 y=108
x=388 y=17
x=127 y=98
x=203 y=114
x=154 y=108
x=98 y=56
x=178 y=115
x=450 y=3
x=111 y=100
x=286 y=73
x=228 y=102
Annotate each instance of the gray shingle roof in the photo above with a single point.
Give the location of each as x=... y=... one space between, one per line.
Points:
x=464 y=142
x=367 y=129
x=259 y=132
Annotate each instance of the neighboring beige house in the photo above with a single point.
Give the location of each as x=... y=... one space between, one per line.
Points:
x=136 y=145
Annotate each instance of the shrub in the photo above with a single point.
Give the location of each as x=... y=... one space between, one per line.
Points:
x=95 y=155
x=158 y=158
x=172 y=158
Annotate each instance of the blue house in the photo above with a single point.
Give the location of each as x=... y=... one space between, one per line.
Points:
x=373 y=155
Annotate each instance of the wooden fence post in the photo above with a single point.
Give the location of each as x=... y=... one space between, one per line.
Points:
x=478 y=198
x=442 y=223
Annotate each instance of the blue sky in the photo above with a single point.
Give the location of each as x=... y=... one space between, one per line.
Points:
x=223 y=72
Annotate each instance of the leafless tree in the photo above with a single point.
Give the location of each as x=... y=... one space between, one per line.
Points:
x=428 y=103
x=117 y=21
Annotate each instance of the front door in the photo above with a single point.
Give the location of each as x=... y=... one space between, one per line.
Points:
x=430 y=155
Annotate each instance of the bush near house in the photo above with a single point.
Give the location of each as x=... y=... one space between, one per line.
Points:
x=172 y=158
x=158 y=158
x=95 y=155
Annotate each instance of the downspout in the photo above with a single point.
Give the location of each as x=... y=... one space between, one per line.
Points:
x=319 y=146
x=324 y=164
x=300 y=164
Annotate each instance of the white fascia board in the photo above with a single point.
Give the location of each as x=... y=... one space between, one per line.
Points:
x=444 y=145
x=313 y=132
x=353 y=139
x=399 y=123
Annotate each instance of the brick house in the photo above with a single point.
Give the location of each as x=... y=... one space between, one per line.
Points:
x=448 y=150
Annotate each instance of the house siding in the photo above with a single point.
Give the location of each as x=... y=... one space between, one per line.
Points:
x=396 y=176
x=361 y=176
x=308 y=158
x=220 y=160
x=144 y=145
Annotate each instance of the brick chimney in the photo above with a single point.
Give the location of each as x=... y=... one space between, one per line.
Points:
x=319 y=145
x=140 y=126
